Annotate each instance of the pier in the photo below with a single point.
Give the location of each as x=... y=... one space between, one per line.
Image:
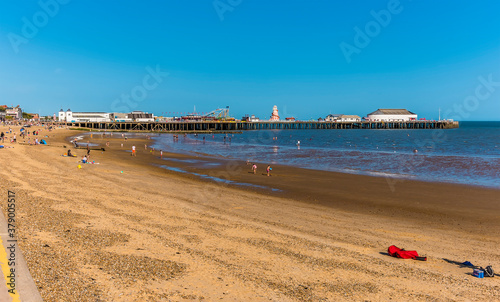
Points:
x=194 y=126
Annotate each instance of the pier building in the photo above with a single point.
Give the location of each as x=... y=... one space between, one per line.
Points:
x=392 y=115
x=275 y=116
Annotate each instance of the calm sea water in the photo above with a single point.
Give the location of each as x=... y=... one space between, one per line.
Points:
x=467 y=155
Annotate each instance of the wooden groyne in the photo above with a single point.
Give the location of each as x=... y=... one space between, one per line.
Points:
x=264 y=125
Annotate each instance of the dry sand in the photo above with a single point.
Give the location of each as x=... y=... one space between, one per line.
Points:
x=147 y=234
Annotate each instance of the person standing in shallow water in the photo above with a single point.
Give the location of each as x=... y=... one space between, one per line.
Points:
x=269 y=170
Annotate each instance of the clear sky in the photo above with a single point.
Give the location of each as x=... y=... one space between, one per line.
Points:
x=310 y=58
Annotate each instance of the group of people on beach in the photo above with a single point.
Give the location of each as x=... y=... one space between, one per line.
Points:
x=13 y=138
x=22 y=134
x=254 y=168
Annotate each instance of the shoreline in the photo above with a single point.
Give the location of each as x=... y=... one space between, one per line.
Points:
x=388 y=197
x=391 y=178
x=89 y=233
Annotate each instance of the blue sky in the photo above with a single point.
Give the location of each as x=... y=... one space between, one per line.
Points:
x=251 y=55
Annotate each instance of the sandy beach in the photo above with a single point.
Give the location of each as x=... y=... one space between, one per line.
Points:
x=126 y=229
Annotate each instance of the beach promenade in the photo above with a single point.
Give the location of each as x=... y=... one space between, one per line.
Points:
x=16 y=284
x=127 y=230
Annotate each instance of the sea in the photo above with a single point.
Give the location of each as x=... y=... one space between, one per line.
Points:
x=468 y=155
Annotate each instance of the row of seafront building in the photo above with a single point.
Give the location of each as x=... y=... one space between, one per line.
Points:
x=380 y=115
x=401 y=115
x=16 y=113
x=140 y=121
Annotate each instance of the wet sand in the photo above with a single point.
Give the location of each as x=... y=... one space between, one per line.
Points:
x=148 y=233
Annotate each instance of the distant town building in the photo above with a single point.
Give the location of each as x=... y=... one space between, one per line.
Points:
x=332 y=117
x=389 y=115
x=34 y=116
x=140 y=116
x=321 y=119
x=134 y=116
x=164 y=119
x=120 y=117
x=15 y=113
x=251 y=118
x=290 y=119
x=75 y=117
x=275 y=116
x=349 y=118
x=342 y=118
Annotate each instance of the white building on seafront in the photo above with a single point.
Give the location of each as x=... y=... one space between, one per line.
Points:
x=103 y=117
x=392 y=115
x=342 y=118
x=75 y=117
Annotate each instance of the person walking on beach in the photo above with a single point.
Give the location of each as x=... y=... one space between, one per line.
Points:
x=254 y=168
x=133 y=150
x=161 y=154
x=2 y=136
x=269 y=170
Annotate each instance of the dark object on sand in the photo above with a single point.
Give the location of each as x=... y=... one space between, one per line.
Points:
x=395 y=251
x=488 y=271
